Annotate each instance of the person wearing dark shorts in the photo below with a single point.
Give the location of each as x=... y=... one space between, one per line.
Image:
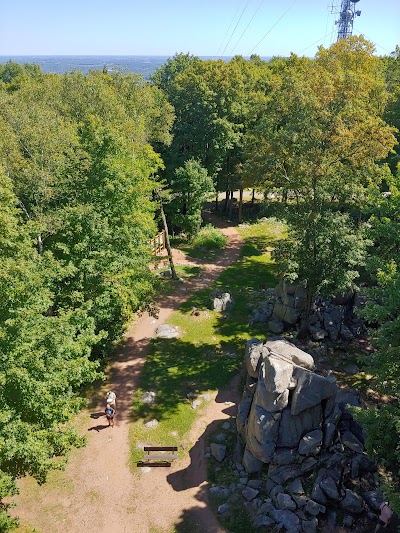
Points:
x=110 y=413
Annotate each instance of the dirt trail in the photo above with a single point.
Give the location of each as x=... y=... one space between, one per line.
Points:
x=103 y=495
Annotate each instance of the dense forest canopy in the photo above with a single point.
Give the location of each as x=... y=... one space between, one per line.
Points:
x=80 y=158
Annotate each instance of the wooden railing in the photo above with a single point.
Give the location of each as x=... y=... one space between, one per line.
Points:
x=158 y=243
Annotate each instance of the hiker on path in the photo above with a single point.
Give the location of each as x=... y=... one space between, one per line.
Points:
x=110 y=413
x=111 y=398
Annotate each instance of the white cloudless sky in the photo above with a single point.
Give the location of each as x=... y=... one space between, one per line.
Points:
x=201 y=27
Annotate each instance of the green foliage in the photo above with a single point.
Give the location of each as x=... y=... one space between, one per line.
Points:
x=207 y=239
x=325 y=250
x=191 y=186
x=76 y=218
x=383 y=432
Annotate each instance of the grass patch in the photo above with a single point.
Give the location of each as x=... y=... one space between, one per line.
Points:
x=209 y=350
x=206 y=245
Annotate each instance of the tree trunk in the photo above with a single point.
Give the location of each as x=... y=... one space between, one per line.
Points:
x=240 y=205
x=167 y=243
x=231 y=206
x=252 y=197
x=216 y=202
x=226 y=200
x=40 y=244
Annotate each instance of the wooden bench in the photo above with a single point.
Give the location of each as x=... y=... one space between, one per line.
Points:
x=158 y=459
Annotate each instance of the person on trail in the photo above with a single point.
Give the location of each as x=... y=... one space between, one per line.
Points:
x=111 y=398
x=110 y=413
x=385 y=515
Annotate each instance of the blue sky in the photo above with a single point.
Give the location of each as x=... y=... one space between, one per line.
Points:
x=201 y=27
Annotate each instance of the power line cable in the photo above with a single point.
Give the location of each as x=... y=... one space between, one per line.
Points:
x=319 y=40
x=229 y=27
x=269 y=31
x=240 y=18
x=251 y=20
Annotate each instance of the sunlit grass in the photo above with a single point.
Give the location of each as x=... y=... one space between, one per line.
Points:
x=209 y=350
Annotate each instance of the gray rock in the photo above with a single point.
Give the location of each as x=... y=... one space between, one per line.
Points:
x=330 y=489
x=351 y=369
x=218 y=451
x=274 y=492
x=167 y=332
x=308 y=465
x=314 y=508
x=346 y=333
x=249 y=493
x=351 y=442
x=285 y=456
x=269 y=401
x=295 y=487
x=152 y=424
x=344 y=397
x=289 y=351
x=277 y=374
x=243 y=480
x=224 y=302
x=276 y=326
x=253 y=357
x=254 y=483
x=195 y=404
x=284 y=501
x=263 y=521
x=243 y=412
x=148 y=397
x=311 y=443
x=317 y=334
x=292 y=315
x=348 y=520
x=267 y=506
x=226 y=425
x=373 y=498
x=262 y=425
x=292 y=428
x=318 y=495
x=285 y=517
x=310 y=526
x=250 y=463
x=301 y=501
x=310 y=390
x=282 y=474
x=352 y=502
x=219 y=492
x=225 y=507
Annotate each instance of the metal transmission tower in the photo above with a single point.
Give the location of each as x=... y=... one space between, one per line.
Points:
x=346 y=14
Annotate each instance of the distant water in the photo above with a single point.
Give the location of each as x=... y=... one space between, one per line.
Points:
x=144 y=65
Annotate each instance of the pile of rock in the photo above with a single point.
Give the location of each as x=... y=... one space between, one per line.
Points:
x=296 y=427
x=283 y=306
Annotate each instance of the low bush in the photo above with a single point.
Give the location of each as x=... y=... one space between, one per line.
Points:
x=208 y=238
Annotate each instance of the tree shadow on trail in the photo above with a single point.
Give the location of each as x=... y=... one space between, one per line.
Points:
x=174 y=368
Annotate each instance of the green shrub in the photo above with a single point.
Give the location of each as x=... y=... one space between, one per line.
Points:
x=383 y=432
x=209 y=238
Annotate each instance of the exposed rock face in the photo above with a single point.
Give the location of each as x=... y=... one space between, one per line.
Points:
x=295 y=425
x=284 y=415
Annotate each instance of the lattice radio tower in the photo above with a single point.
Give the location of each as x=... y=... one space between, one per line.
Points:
x=346 y=14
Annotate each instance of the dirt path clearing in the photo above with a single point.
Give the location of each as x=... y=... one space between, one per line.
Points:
x=97 y=492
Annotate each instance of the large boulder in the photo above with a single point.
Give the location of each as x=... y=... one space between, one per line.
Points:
x=310 y=390
x=253 y=357
x=289 y=351
x=277 y=374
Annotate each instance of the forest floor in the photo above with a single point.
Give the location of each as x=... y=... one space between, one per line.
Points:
x=97 y=491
